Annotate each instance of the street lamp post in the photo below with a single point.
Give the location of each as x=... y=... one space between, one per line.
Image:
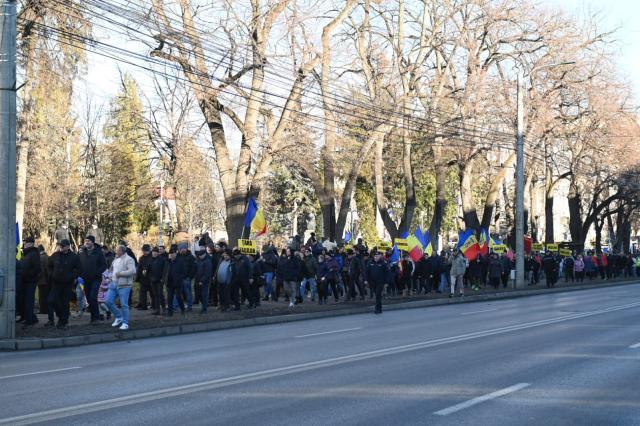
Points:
x=7 y=168
x=160 y=239
x=519 y=283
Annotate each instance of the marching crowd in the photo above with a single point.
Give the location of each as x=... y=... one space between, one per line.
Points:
x=213 y=274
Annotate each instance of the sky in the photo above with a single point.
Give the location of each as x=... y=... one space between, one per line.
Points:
x=623 y=15
x=102 y=80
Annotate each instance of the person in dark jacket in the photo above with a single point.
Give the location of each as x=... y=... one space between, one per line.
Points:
x=240 y=276
x=215 y=254
x=176 y=274
x=204 y=271
x=43 y=284
x=93 y=265
x=423 y=274
x=223 y=278
x=188 y=267
x=550 y=269
x=310 y=275
x=323 y=279
x=377 y=275
x=569 y=262
x=31 y=271
x=406 y=275
x=269 y=263
x=64 y=268
x=506 y=270
x=256 y=281
x=108 y=256
x=356 y=272
x=291 y=270
x=143 y=277
x=157 y=276
x=436 y=269
x=495 y=271
x=278 y=276
x=475 y=272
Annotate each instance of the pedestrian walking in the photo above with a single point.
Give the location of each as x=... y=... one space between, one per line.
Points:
x=123 y=271
x=64 y=268
x=377 y=276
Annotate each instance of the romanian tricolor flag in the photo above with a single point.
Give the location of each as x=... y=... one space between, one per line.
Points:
x=425 y=240
x=468 y=244
x=415 y=248
x=395 y=255
x=254 y=219
x=483 y=243
x=493 y=243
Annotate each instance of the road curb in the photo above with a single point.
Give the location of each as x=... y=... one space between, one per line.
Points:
x=48 y=343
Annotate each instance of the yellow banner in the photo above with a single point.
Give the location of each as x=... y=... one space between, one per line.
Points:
x=499 y=248
x=552 y=247
x=248 y=246
x=537 y=246
x=402 y=244
x=385 y=245
x=565 y=252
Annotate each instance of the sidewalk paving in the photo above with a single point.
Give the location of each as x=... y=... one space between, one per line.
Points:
x=143 y=324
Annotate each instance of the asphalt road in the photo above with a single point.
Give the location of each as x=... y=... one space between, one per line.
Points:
x=555 y=359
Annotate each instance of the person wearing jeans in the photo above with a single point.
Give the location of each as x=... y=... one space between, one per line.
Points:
x=124 y=269
x=310 y=270
x=458 y=268
x=291 y=271
x=187 y=267
x=268 y=264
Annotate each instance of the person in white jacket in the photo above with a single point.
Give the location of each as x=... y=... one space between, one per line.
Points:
x=124 y=269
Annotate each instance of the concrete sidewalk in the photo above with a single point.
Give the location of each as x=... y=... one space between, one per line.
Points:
x=143 y=325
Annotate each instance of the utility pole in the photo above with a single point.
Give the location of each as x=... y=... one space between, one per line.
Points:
x=7 y=169
x=519 y=283
x=160 y=239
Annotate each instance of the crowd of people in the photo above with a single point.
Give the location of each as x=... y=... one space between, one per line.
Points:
x=211 y=274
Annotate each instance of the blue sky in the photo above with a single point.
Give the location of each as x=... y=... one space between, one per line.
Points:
x=103 y=81
x=621 y=14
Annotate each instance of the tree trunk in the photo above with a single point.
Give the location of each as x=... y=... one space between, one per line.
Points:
x=469 y=213
x=24 y=143
x=388 y=222
x=575 y=214
x=235 y=207
x=441 y=198
x=494 y=190
x=548 y=217
x=615 y=241
x=350 y=183
x=599 y=224
x=626 y=235
x=328 y=210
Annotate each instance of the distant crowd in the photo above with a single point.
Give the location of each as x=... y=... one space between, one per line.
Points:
x=211 y=274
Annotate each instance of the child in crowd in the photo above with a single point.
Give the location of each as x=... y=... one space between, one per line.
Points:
x=81 y=299
x=102 y=293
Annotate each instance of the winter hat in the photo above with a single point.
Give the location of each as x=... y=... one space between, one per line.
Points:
x=30 y=240
x=65 y=243
x=146 y=248
x=183 y=246
x=90 y=238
